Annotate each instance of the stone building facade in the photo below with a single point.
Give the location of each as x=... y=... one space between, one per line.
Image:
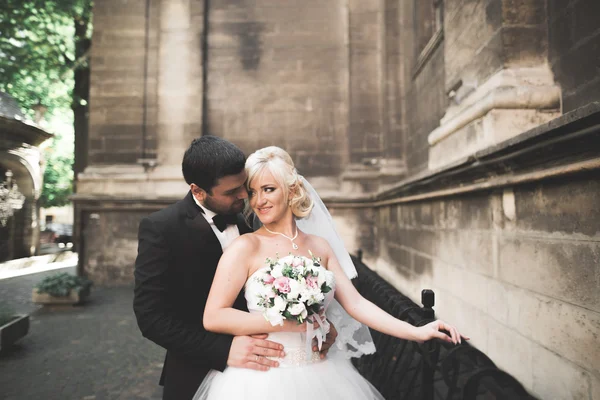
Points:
x=455 y=141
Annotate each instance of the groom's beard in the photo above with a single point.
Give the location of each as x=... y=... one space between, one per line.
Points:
x=224 y=209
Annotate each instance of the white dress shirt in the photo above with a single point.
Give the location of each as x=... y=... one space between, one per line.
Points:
x=225 y=237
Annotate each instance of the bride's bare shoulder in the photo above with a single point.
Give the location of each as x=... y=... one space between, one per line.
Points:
x=244 y=244
x=318 y=246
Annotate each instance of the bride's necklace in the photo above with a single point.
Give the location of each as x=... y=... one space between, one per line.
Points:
x=291 y=239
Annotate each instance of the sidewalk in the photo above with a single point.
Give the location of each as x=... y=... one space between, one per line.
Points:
x=30 y=265
x=94 y=351
x=18 y=277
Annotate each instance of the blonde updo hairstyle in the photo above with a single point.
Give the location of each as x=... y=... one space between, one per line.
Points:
x=280 y=164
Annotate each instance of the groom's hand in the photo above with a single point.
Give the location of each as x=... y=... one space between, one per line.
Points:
x=329 y=340
x=252 y=351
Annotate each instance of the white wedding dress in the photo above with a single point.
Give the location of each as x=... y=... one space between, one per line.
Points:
x=297 y=378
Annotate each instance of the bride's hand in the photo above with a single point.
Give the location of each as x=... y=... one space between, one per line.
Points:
x=433 y=330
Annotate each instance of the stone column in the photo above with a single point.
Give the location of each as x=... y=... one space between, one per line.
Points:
x=392 y=166
x=146 y=98
x=366 y=102
x=497 y=76
x=145 y=108
x=179 y=84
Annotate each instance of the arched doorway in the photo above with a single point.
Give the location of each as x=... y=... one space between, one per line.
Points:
x=18 y=232
x=20 y=157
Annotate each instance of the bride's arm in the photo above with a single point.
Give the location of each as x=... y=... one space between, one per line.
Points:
x=231 y=275
x=371 y=315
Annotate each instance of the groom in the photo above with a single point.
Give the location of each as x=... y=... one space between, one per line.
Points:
x=178 y=252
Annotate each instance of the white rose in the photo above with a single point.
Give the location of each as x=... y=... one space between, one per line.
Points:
x=286 y=260
x=280 y=304
x=305 y=293
x=301 y=270
x=321 y=278
x=295 y=288
x=277 y=271
x=315 y=298
x=304 y=314
x=298 y=262
x=298 y=309
x=319 y=297
x=273 y=316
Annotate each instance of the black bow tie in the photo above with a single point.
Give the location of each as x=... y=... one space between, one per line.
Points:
x=221 y=221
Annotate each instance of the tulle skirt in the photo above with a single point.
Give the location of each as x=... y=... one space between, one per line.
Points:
x=329 y=379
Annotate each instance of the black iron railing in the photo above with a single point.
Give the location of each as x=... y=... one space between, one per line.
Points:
x=433 y=370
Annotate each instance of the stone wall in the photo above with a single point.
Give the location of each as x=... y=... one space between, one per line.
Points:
x=423 y=96
x=482 y=37
x=278 y=75
x=393 y=106
x=425 y=105
x=574 y=50
x=109 y=232
x=119 y=86
x=497 y=80
x=516 y=269
x=365 y=42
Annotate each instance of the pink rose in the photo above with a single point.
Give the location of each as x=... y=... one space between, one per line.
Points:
x=312 y=281
x=268 y=279
x=282 y=284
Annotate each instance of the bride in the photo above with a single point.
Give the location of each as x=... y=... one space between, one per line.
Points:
x=283 y=201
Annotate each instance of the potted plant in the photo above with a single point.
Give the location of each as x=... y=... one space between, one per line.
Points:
x=62 y=288
x=13 y=326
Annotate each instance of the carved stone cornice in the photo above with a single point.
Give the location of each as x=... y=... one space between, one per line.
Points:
x=564 y=146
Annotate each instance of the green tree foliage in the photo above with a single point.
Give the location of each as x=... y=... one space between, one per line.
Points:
x=58 y=174
x=35 y=48
x=43 y=58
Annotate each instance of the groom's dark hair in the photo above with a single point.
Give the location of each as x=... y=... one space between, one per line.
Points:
x=210 y=158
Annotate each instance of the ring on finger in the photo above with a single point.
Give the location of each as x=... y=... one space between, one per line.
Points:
x=257 y=357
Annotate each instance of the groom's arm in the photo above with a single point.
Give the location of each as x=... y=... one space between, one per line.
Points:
x=154 y=310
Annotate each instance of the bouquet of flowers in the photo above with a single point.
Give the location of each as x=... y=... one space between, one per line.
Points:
x=294 y=289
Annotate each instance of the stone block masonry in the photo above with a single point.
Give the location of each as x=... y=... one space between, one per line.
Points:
x=517 y=269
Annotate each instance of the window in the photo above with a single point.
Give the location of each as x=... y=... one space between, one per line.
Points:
x=428 y=28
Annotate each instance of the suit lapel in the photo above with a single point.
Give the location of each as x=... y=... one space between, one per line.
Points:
x=203 y=236
x=202 y=232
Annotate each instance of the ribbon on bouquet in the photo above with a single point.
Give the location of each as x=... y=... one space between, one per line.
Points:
x=320 y=333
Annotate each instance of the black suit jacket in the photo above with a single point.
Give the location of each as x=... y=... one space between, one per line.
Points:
x=178 y=254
